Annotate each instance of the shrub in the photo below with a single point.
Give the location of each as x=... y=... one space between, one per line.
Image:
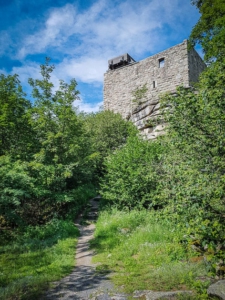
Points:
x=130 y=179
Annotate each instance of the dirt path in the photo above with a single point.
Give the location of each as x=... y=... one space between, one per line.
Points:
x=84 y=282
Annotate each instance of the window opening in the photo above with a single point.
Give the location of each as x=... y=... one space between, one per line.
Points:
x=161 y=62
x=153 y=84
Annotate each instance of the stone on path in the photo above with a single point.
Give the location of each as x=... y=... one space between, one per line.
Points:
x=217 y=289
x=151 y=295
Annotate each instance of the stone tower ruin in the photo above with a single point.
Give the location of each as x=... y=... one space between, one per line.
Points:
x=160 y=73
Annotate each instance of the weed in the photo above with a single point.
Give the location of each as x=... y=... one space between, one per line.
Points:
x=144 y=253
x=40 y=255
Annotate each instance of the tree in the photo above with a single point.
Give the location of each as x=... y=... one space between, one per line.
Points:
x=210 y=29
x=192 y=169
x=58 y=130
x=54 y=180
x=15 y=131
x=107 y=131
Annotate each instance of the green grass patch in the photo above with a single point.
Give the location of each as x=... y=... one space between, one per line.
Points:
x=37 y=257
x=145 y=252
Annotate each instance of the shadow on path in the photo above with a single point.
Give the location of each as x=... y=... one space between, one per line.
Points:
x=84 y=282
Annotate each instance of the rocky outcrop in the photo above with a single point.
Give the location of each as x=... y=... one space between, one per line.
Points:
x=217 y=289
x=148 y=119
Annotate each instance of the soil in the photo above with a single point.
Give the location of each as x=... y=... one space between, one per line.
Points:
x=85 y=282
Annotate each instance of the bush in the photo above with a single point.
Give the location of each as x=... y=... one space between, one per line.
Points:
x=192 y=169
x=130 y=179
x=25 y=199
x=106 y=131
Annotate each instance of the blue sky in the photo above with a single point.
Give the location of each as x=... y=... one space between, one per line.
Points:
x=80 y=36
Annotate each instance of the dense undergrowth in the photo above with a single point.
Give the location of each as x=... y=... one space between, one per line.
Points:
x=35 y=257
x=51 y=159
x=181 y=174
x=147 y=252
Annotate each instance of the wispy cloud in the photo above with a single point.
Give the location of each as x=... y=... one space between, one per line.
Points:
x=83 y=41
x=104 y=28
x=85 y=69
x=56 y=31
x=31 y=70
x=88 y=107
x=101 y=29
x=5 y=42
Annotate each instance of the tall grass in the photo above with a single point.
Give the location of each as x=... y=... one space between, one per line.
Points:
x=146 y=252
x=37 y=257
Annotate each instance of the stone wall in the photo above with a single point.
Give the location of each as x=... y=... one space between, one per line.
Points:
x=180 y=67
x=196 y=66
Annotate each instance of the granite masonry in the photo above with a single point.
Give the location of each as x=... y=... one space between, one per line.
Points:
x=160 y=73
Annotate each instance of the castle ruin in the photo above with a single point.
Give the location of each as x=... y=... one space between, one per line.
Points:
x=160 y=73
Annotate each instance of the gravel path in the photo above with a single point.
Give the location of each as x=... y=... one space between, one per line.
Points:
x=84 y=282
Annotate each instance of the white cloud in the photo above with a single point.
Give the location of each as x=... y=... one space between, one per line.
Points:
x=30 y=70
x=88 y=107
x=85 y=69
x=56 y=30
x=83 y=41
x=88 y=39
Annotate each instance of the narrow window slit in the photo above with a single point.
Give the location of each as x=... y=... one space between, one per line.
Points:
x=161 y=62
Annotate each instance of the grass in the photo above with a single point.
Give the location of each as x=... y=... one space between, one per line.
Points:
x=145 y=252
x=37 y=257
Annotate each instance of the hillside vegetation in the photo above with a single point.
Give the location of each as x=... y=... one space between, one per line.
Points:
x=164 y=204
x=51 y=159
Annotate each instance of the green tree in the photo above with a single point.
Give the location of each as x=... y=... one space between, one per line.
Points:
x=210 y=29
x=15 y=131
x=192 y=181
x=107 y=131
x=59 y=131
x=55 y=179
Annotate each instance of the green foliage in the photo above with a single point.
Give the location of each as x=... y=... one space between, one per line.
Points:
x=130 y=179
x=26 y=199
x=14 y=121
x=106 y=132
x=139 y=94
x=62 y=145
x=50 y=155
x=192 y=169
x=36 y=257
x=16 y=188
x=210 y=29
x=143 y=251
x=47 y=164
